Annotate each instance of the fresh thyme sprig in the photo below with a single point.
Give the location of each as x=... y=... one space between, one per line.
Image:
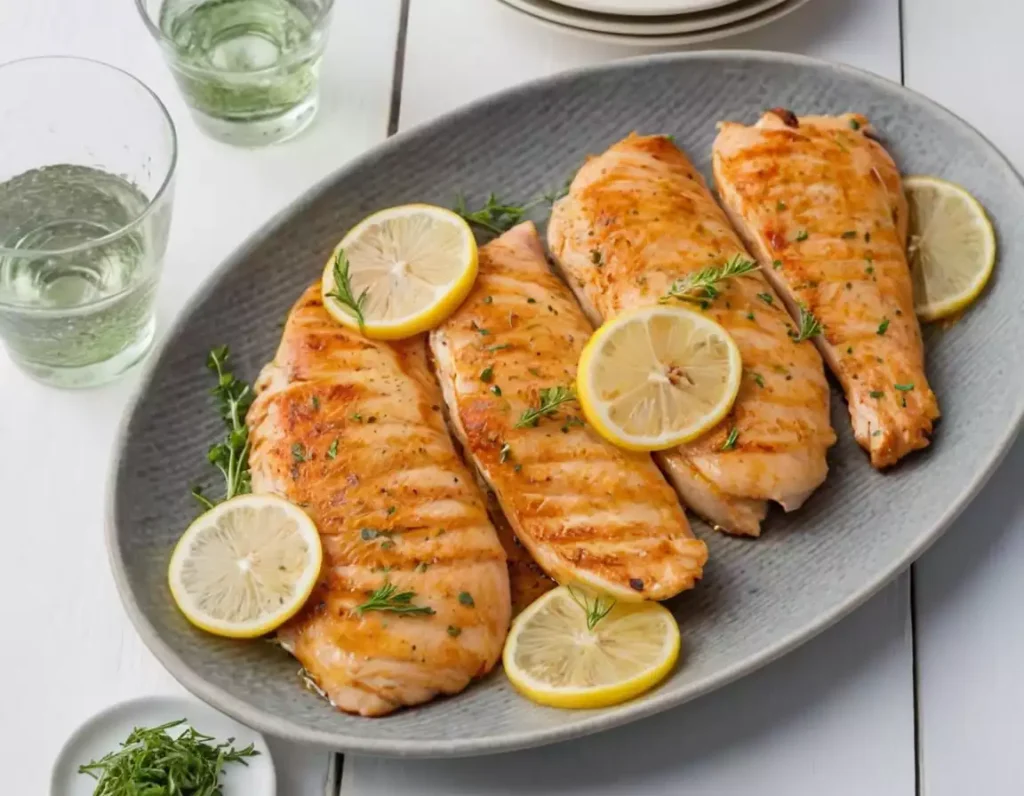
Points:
x=595 y=611
x=152 y=761
x=342 y=292
x=388 y=598
x=230 y=456
x=701 y=286
x=809 y=326
x=550 y=399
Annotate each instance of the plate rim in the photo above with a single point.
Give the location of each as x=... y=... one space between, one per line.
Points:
x=643 y=27
x=764 y=17
x=701 y=5
x=629 y=712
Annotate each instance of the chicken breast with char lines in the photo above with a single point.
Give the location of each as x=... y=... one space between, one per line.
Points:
x=824 y=202
x=587 y=511
x=639 y=217
x=352 y=430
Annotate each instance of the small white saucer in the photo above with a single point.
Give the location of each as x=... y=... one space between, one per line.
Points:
x=104 y=732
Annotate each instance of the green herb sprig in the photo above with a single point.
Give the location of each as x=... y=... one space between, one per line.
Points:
x=701 y=287
x=343 y=292
x=550 y=399
x=388 y=598
x=498 y=215
x=595 y=611
x=231 y=456
x=151 y=761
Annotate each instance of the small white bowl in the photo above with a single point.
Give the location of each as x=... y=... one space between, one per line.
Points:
x=104 y=732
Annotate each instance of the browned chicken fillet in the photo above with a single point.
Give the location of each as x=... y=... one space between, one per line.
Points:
x=821 y=200
x=586 y=511
x=639 y=217
x=352 y=430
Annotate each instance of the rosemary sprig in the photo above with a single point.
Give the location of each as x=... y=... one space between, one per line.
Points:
x=342 y=292
x=809 y=326
x=550 y=399
x=595 y=611
x=495 y=216
x=701 y=286
x=231 y=456
x=152 y=761
x=388 y=598
x=498 y=216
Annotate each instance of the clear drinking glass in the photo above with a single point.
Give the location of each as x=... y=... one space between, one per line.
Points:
x=249 y=69
x=87 y=156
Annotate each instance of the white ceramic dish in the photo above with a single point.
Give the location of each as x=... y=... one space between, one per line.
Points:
x=619 y=33
x=644 y=8
x=104 y=732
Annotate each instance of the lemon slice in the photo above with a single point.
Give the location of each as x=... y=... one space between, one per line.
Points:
x=952 y=247
x=401 y=271
x=246 y=566
x=555 y=657
x=658 y=376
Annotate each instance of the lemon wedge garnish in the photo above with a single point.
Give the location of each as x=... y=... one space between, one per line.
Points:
x=400 y=271
x=555 y=656
x=246 y=566
x=658 y=376
x=951 y=247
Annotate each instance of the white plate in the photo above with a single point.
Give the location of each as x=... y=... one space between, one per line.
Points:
x=644 y=8
x=540 y=13
x=639 y=26
x=104 y=732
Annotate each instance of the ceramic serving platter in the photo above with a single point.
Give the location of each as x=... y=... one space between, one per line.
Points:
x=760 y=597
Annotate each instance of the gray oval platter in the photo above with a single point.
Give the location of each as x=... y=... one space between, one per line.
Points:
x=760 y=598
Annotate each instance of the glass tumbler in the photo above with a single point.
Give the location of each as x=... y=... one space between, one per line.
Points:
x=86 y=180
x=249 y=69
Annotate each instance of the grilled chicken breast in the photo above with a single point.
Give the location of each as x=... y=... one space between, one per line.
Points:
x=353 y=431
x=639 y=217
x=586 y=511
x=821 y=200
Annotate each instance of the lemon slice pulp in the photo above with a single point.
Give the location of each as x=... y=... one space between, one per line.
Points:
x=408 y=268
x=554 y=657
x=246 y=566
x=951 y=247
x=658 y=376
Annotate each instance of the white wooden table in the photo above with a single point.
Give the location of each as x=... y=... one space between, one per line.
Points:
x=918 y=692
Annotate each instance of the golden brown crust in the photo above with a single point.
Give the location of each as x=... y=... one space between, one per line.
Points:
x=352 y=430
x=646 y=212
x=826 y=203
x=586 y=510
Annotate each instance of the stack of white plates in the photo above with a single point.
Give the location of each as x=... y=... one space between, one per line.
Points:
x=655 y=22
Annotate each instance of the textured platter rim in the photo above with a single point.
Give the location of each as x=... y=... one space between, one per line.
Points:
x=658 y=701
x=745 y=25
